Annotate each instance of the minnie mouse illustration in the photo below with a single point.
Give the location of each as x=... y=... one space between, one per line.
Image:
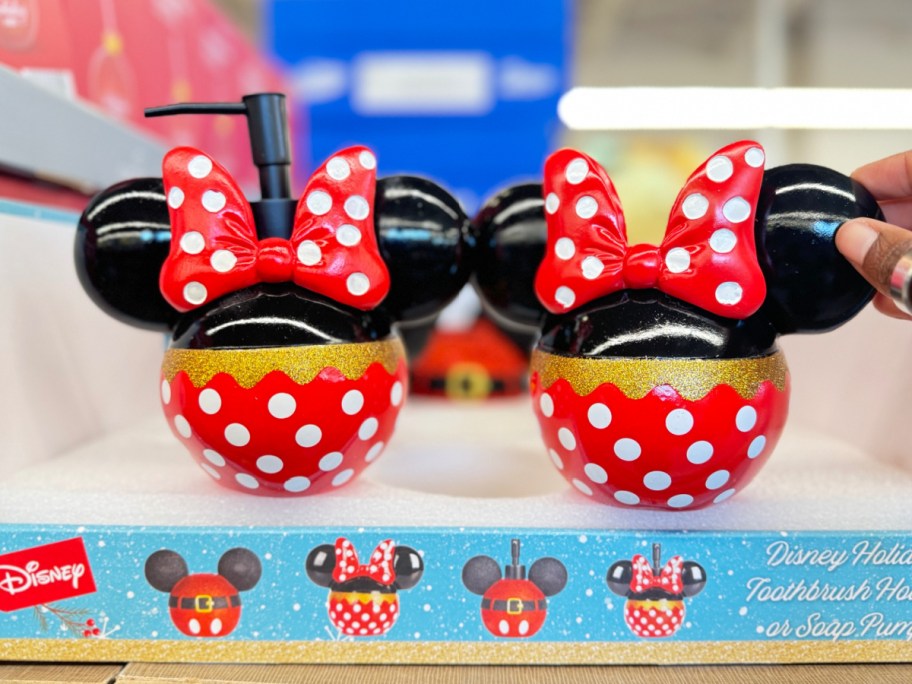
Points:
x=284 y=375
x=203 y=604
x=657 y=381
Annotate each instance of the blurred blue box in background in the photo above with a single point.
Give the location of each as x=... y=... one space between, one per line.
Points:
x=465 y=93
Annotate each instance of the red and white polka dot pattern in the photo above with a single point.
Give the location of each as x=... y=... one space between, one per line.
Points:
x=708 y=256
x=214 y=247
x=363 y=614
x=661 y=450
x=380 y=568
x=651 y=619
x=279 y=438
x=670 y=577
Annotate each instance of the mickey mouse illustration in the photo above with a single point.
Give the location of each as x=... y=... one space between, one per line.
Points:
x=655 y=594
x=657 y=381
x=363 y=598
x=203 y=604
x=284 y=375
x=512 y=604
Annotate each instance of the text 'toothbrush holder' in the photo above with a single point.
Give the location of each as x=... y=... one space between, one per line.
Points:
x=284 y=374
x=657 y=381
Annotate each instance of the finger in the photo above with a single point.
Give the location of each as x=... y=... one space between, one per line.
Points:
x=888 y=307
x=898 y=212
x=873 y=248
x=889 y=178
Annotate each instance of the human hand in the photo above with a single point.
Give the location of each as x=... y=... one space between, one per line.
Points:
x=877 y=248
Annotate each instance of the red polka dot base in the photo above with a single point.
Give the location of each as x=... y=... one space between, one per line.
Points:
x=661 y=450
x=654 y=618
x=361 y=614
x=281 y=438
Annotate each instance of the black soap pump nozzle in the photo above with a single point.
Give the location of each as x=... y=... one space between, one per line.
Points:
x=656 y=559
x=267 y=122
x=515 y=570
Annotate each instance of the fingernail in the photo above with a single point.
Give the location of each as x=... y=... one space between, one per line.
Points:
x=854 y=239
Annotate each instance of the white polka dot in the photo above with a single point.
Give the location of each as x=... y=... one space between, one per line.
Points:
x=754 y=157
x=680 y=501
x=192 y=242
x=746 y=418
x=194 y=626
x=348 y=235
x=210 y=401
x=269 y=464
x=373 y=452
x=717 y=479
x=222 y=260
x=247 y=480
x=282 y=405
x=396 y=393
x=724 y=495
x=368 y=428
x=546 y=404
x=215 y=626
x=567 y=439
x=308 y=436
x=297 y=484
x=357 y=207
x=582 y=486
x=503 y=626
x=319 y=202
x=213 y=201
x=586 y=207
x=699 y=452
x=657 y=480
x=719 y=168
x=309 y=253
x=523 y=627
x=556 y=459
x=564 y=248
x=195 y=293
x=338 y=169
x=576 y=171
x=552 y=203
x=723 y=241
x=677 y=260
x=628 y=498
x=210 y=471
x=627 y=449
x=757 y=445
x=182 y=426
x=175 y=197
x=729 y=293
x=331 y=461
x=166 y=392
x=679 y=421
x=737 y=209
x=237 y=435
x=596 y=473
x=357 y=284
x=592 y=267
x=214 y=457
x=564 y=296
x=200 y=166
x=599 y=416
x=352 y=402
x=695 y=206
x=368 y=160
x=342 y=477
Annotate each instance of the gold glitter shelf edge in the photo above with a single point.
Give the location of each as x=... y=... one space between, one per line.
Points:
x=691 y=378
x=461 y=653
x=301 y=364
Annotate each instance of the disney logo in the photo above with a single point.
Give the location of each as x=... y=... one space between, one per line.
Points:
x=15 y=580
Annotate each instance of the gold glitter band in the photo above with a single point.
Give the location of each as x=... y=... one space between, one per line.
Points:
x=463 y=653
x=691 y=378
x=301 y=364
x=362 y=597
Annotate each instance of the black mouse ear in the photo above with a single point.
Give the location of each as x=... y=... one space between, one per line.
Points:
x=409 y=567
x=320 y=564
x=810 y=285
x=479 y=573
x=619 y=576
x=122 y=239
x=511 y=243
x=241 y=567
x=426 y=241
x=693 y=577
x=549 y=575
x=164 y=569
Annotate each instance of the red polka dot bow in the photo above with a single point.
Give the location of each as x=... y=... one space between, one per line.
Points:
x=214 y=247
x=669 y=578
x=708 y=257
x=380 y=567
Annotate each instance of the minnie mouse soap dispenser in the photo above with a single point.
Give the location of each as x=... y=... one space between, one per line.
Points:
x=284 y=375
x=657 y=381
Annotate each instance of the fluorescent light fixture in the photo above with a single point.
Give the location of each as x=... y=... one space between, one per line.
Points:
x=594 y=109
